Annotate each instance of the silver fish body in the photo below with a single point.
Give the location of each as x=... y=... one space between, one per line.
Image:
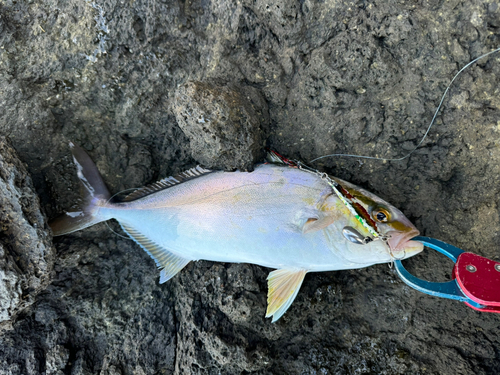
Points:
x=256 y=217
x=276 y=216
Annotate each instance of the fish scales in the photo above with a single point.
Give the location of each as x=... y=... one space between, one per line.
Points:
x=240 y=217
x=277 y=216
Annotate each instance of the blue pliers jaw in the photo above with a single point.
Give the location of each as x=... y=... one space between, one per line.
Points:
x=476 y=280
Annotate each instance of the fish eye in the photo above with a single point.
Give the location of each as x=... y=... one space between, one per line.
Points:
x=381 y=215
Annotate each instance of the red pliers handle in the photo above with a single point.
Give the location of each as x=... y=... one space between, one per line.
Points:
x=475 y=279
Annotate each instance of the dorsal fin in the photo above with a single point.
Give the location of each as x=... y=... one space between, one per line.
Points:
x=167 y=182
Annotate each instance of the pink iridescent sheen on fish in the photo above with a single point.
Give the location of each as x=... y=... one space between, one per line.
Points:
x=278 y=216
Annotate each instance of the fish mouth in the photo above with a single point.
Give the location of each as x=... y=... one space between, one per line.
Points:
x=401 y=245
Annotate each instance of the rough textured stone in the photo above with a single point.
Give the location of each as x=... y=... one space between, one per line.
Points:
x=338 y=77
x=224 y=123
x=26 y=250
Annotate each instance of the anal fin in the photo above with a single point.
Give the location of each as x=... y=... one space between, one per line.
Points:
x=283 y=285
x=169 y=264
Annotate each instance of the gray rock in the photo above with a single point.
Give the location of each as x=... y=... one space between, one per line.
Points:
x=224 y=123
x=26 y=250
x=337 y=77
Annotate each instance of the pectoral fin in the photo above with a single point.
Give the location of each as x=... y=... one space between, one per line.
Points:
x=169 y=263
x=283 y=288
x=313 y=225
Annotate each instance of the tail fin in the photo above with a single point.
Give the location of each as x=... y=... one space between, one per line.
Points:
x=94 y=195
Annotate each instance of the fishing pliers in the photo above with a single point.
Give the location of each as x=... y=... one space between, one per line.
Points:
x=475 y=279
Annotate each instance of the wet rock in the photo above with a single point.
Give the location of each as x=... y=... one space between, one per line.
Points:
x=225 y=124
x=26 y=250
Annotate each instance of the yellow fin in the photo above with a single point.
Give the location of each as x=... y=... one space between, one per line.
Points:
x=313 y=225
x=169 y=263
x=283 y=287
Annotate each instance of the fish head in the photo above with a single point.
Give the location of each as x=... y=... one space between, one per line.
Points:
x=398 y=230
x=386 y=220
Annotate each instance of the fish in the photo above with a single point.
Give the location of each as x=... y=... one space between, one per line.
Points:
x=281 y=215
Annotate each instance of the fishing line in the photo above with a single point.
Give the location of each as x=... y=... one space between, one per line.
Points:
x=428 y=128
x=106 y=222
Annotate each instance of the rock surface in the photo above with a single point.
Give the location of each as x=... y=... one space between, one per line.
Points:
x=26 y=250
x=224 y=123
x=337 y=77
